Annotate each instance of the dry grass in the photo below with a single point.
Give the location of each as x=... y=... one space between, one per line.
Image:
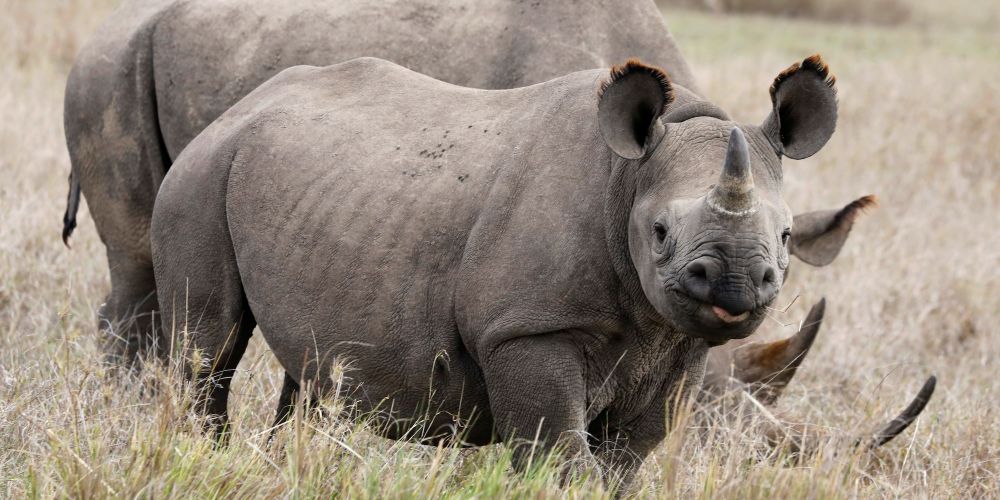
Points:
x=852 y=11
x=914 y=292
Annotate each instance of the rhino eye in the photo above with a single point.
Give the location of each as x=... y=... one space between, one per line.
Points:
x=787 y=233
x=660 y=232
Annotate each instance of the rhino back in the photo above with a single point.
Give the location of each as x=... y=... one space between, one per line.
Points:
x=210 y=54
x=363 y=216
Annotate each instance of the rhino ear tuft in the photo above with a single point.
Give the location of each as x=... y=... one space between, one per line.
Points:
x=804 y=108
x=817 y=237
x=629 y=104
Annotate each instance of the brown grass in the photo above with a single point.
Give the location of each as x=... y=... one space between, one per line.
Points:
x=851 y=11
x=916 y=291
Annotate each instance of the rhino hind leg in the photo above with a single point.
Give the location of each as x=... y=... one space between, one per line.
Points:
x=209 y=315
x=200 y=291
x=213 y=384
x=126 y=319
x=118 y=159
x=287 y=401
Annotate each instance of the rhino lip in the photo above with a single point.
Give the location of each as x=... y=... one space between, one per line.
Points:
x=726 y=317
x=707 y=310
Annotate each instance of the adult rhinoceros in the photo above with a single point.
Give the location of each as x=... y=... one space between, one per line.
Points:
x=159 y=71
x=548 y=262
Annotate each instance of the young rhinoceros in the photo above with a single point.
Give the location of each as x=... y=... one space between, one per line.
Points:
x=552 y=261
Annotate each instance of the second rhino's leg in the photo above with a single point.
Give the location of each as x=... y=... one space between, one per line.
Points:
x=126 y=320
x=119 y=158
x=286 y=403
x=537 y=391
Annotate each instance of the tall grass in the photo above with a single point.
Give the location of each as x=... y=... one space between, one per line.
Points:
x=915 y=291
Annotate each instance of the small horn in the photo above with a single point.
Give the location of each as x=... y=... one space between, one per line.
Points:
x=901 y=422
x=768 y=368
x=734 y=194
x=800 y=442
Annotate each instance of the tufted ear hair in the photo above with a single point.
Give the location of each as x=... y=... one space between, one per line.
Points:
x=629 y=104
x=804 y=109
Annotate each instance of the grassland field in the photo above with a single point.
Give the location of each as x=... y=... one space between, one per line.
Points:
x=916 y=291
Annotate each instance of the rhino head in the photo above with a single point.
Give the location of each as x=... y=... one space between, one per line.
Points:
x=708 y=229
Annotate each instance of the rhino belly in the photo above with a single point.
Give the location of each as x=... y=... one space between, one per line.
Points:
x=354 y=263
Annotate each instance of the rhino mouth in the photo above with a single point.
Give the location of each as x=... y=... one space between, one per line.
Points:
x=713 y=322
x=713 y=315
x=726 y=317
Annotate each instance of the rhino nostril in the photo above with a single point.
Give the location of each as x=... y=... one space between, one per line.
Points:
x=697 y=271
x=698 y=276
x=770 y=276
x=769 y=286
x=763 y=275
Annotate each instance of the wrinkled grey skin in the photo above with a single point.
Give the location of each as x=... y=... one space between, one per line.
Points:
x=519 y=262
x=159 y=71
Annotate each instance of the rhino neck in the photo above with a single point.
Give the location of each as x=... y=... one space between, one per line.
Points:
x=651 y=331
x=659 y=356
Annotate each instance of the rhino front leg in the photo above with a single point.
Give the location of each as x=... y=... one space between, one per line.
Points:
x=621 y=450
x=538 y=399
x=622 y=447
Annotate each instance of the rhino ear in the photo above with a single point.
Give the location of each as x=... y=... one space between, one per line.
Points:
x=804 y=109
x=629 y=103
x=817 y=237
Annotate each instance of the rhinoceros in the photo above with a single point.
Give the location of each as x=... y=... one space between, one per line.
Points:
x=159 y=71
x=551 y=262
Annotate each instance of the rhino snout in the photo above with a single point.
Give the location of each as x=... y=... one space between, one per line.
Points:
x=732 y=294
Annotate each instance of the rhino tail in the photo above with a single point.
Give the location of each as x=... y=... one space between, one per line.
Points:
x=72 y=205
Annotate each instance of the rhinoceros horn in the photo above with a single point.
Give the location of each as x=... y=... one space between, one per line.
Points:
x=734 y=193
x=767 y=368
x=801 y=442
x=904 y=419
